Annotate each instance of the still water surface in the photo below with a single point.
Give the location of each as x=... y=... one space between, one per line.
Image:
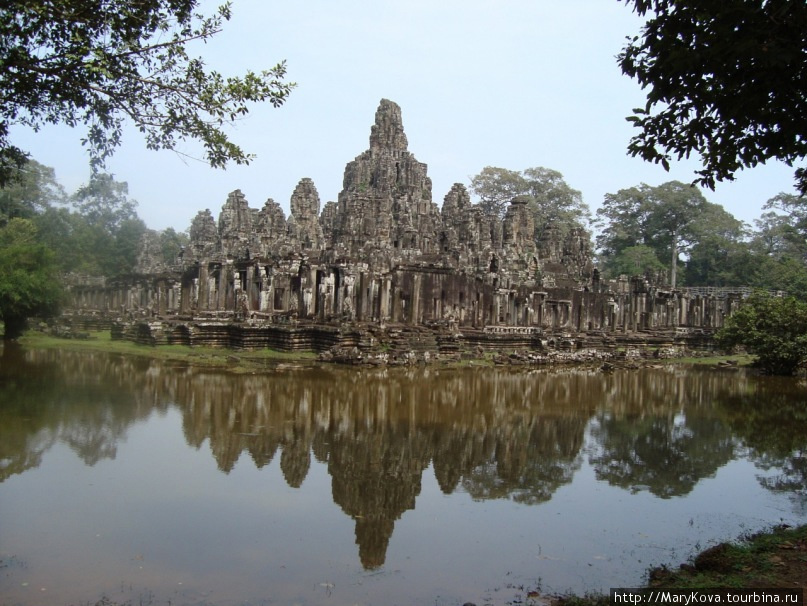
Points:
x=157 y=484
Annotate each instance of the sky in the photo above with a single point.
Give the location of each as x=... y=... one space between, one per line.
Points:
x=507 y=83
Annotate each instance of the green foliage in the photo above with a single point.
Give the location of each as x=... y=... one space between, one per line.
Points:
x=104 y=202
x=101 y=237
x=779 y=273
x=551 y=199
x=103 y=63
x=719 y=255
x=60 y=230
x=34 y=190
x=779 y=247
x=29 y=285
x=792 y=225
x=637 y=221
x=123 y=248
x=661 y=218
x=171 y=244
x=725 y=80
x=496 y=187
x=40 y=240
x=638 y=260
x=774 y=329
x=107 y=230
x=554 y=202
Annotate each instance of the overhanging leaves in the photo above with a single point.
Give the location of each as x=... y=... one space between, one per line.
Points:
x=725 y=79
x=101 y=63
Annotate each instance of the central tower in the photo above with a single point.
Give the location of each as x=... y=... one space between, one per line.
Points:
x=386 y=200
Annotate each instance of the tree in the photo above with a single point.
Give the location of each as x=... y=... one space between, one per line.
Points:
x=59 y=230
x=496 y=187
x=551 y=199
x=720 y=254
x=792 y=225
x=784 y=273
x=102 y=63
x=779 y=247
x=111 y=229
x=774 y=329
x=104 y=202
x=554 y=202
x=28 y=282
x=171 y=244
x=38 y=196
x=100 y=236
x=771 y=236
x=725 y=79
x=640 y=260
x=34 y=190
x=660 y=217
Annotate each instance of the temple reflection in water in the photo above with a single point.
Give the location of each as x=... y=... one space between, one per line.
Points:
x=490 y=433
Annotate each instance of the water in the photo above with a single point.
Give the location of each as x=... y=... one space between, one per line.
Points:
x=153 y=484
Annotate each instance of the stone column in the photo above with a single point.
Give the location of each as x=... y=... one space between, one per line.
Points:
x=250 y=288
x=221 y=298
x=203 y=301
x=414 y=312
x=162 y=298
x=385 y=299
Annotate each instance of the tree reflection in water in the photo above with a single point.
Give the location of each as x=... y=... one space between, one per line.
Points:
x=771 y=422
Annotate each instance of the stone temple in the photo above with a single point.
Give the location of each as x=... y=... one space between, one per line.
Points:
x=385 y=272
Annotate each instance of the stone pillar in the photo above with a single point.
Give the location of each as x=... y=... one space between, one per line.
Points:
x=203 y=297
x=250 y=288
x=362 y=297
x=221 y=298
x=375 y=300
x=186 y=296
x=162 y=298
x=266 y=294
x=537 y=308
x=312 y=294
x=414 y=312
x=386 y=299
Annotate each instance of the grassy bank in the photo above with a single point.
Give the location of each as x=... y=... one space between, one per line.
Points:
x=772 y=559
x=253 y=360
x=238 y=361
x=732 y=360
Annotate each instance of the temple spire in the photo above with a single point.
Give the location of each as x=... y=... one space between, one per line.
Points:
x=387 y=133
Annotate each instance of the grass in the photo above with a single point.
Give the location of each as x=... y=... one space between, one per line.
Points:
x=738 y=359
x=236 y=360
x=252 y=360
x=774 y=558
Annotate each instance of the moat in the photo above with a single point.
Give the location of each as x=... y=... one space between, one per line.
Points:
x=154 y=483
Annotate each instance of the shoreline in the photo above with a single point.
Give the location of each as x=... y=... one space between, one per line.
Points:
x=202 y=357
x=254 y=360
x=771 y=559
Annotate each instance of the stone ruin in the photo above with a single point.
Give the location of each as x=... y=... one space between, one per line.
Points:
x=384 y=272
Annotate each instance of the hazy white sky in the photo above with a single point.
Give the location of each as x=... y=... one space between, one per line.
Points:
x=508 y=83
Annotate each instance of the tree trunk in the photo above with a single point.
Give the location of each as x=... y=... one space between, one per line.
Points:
x=14 y=327
x=674 y=264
